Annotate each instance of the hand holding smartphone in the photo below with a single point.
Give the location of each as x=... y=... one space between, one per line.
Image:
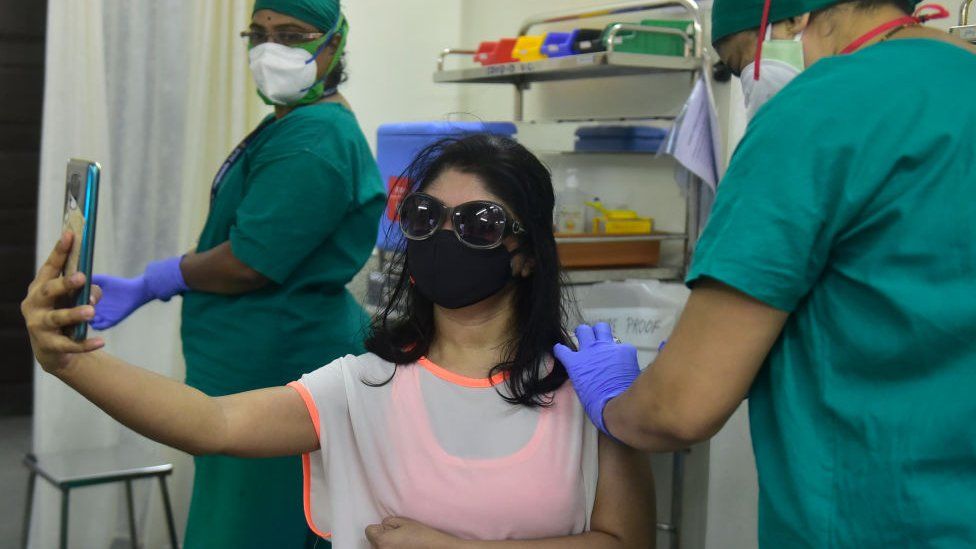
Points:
x=80 y=213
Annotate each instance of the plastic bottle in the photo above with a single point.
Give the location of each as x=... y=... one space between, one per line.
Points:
x=590 y=214
x=570 y=209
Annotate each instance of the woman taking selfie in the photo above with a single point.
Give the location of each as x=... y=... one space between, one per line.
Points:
x=458 y=428
x=293 y=217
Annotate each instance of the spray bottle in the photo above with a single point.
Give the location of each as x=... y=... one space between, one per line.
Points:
x=570 y=208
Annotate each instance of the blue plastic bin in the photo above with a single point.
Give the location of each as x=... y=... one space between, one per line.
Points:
x=619 y=139
x=558 y=44
x=396 y=147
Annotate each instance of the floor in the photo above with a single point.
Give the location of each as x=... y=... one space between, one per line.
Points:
x=15 y=441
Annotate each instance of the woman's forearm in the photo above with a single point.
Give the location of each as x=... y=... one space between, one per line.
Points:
x=219 y=271
x=155 y=406
x=640 y=418
x=702 y=376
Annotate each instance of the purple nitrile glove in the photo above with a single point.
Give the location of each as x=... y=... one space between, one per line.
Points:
x=601 y=370
x=122 y=296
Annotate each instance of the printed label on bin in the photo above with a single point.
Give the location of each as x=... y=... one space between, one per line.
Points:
x=397 y=187
x=642 y=327
x=586 y=59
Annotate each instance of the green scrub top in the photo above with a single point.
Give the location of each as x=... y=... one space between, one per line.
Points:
x=300 y=205
x=851 y=204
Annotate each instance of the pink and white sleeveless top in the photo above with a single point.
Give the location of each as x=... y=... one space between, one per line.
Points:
x=444 y=450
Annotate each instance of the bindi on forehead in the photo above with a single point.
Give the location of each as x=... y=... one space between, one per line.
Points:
x=271 y=20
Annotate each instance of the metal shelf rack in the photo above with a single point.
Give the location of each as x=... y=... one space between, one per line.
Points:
x=610 y=63
x=572 y=67
x=590 y=65
x=964 y=30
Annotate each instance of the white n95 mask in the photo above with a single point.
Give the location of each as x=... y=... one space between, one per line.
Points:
x=781 y=61
x=283 y=74
x=773 y=76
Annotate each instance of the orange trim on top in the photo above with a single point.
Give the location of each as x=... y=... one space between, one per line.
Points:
x=307 y=496
x=313 y=412
x=458 y=379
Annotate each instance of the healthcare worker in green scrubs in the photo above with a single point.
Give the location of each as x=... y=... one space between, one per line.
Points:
x=293 y=218
x=834 y=286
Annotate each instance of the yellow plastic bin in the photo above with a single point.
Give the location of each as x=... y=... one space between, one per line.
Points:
x=619 y=222
x=529 y=48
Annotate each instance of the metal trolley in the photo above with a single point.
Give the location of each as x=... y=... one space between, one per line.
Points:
x=609 y=63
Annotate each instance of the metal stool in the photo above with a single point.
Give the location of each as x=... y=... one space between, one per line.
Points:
x=93 y=467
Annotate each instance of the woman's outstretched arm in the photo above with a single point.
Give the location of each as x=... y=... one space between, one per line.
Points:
x=267 y=422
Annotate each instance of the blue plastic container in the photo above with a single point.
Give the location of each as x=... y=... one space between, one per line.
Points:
x=558 y=44
x=619 y=139
x=396 y=147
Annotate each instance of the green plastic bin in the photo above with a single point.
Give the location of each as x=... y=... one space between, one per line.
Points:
x=652 y=43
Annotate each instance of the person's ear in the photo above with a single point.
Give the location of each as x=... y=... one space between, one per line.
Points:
x=798 y=24
x=522 y=266
x=788 y=29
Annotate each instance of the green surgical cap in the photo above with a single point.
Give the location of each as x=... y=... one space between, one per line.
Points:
x=732 y=16
x=323 y=14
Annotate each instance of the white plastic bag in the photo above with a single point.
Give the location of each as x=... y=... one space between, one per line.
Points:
x=641 y=312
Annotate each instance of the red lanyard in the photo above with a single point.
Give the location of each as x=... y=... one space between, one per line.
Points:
x=917 y=19
x=761 y=38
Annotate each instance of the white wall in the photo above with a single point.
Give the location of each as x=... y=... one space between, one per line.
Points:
x=392 y=52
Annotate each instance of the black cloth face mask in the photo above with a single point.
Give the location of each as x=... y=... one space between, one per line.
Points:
x=453 y=275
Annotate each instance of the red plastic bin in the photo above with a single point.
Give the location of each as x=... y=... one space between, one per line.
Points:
x=502 y=52
x=484 y=52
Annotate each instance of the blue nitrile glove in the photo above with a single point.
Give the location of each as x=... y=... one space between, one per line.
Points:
x=122 y=296
x=601 y=370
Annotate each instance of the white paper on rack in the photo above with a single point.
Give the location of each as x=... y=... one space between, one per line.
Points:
x=694 y=140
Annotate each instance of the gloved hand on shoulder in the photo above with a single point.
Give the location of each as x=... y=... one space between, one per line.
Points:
x=601 y=369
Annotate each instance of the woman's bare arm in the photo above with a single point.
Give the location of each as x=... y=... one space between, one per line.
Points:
x=267 y=422
x=219 y=271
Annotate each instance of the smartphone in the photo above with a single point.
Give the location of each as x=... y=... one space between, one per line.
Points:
x=80 y=213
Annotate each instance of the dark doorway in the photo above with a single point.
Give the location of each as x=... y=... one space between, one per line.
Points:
x=22 y=31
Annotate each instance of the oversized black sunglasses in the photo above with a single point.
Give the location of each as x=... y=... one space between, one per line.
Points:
x=479 y=224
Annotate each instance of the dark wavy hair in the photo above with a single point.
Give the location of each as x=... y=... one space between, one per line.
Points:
x=403 y=331
x=338 y=74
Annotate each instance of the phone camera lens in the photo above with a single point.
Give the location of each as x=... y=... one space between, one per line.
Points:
x=74 y=186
